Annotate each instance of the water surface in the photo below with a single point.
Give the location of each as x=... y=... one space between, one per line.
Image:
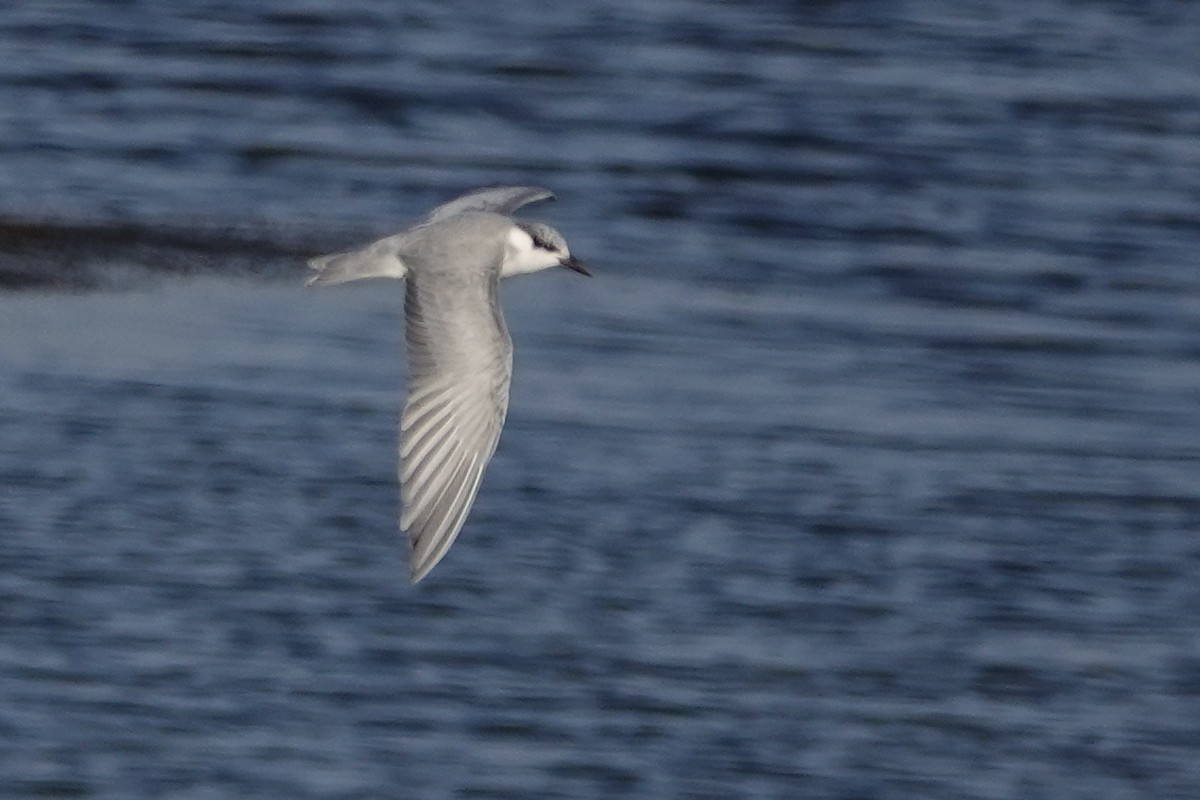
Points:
x=867 y=465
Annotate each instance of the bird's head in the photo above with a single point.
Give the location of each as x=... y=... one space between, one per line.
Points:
x=534 y=246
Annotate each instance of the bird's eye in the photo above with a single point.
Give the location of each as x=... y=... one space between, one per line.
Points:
x=540 y=243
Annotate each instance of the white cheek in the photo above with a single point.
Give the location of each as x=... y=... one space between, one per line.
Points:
x=518 y=241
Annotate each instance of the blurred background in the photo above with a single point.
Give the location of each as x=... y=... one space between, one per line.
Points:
x=867 y=466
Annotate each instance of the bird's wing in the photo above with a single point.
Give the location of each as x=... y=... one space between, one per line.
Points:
x=500 y=199
x=460 y=365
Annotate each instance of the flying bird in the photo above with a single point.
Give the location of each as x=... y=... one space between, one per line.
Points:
x=459 y=350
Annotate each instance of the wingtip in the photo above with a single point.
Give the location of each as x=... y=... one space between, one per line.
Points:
x=422 y=563
x=536 y=194
x=418 y=564
x=417 y=572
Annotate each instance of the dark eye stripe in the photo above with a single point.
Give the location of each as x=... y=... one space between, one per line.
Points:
x=538 y=242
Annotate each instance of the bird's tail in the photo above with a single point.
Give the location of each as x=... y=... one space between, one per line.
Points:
x=378 y=260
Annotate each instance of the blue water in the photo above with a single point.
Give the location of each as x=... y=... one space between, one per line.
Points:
x=868 y=466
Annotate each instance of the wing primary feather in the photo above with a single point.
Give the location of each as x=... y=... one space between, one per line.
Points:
x=427 y=483
x=498 y=199
x=440 y=525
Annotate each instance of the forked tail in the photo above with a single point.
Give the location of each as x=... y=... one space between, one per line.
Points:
x=378 y=260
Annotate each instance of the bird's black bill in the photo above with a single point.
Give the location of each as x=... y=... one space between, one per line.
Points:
x=573 y=263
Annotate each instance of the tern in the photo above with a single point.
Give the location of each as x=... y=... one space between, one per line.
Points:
x=459 y=350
